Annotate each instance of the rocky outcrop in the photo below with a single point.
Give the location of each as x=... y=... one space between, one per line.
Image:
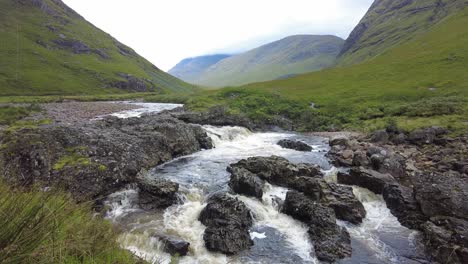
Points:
x=96 y=159
x=277 y=170
x=402 y=203
x=173 y=245
x=296 y=145
x=156 y=193
x=345 y=204
x=331 y=242
x=365 y=178
x=447 y=237
x=305 y=178
x=244 y=182
x=228 y=221
x=131 y=84
x=423 y=182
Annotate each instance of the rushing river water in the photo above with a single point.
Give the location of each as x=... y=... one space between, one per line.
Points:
x=278 y=238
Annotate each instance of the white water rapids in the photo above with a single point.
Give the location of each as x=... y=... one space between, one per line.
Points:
x=278 y=238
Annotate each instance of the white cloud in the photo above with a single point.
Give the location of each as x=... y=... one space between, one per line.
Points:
x=167 y=31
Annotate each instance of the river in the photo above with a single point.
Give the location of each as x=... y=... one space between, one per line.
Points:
x=277 y=237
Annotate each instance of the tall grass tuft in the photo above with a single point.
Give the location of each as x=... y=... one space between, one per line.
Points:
x=49 y=227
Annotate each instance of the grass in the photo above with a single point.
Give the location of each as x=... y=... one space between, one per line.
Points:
x=32 y=64
x=48 y=227
x=11 y=114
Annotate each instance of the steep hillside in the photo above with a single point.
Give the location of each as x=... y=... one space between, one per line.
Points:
x=190 y=69
x=392 y=22
x=47 y=48
x=291 y=55
x=420 y=83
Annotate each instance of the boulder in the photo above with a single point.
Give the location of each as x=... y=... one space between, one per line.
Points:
x=447 y=239
x=380 y=136
x=339 y=141
x=157 y=193
x=360 y=159
x=216 y=116
x=244 y=182
x=331 y=242
x=426 y=136
x=277 y=170
x=296 y=145
x=400 y=200
x=228 y=221
x=345 y=204
x=442 y=194
x=365 y=178
x=173 y=245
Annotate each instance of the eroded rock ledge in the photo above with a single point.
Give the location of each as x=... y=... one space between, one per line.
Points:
x=423 y=178
x=96 y=159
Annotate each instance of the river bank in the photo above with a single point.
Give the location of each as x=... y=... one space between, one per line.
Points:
x=156 y=174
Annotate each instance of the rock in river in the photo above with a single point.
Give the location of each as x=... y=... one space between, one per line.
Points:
x=244 y=182
x=228 y=221
x=296 y=145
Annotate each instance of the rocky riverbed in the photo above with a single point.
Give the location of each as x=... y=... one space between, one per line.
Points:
x=200 y=187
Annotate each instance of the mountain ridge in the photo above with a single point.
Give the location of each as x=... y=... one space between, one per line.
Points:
x=49 y=49
x=291 y=55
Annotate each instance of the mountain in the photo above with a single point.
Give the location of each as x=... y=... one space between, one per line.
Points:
x=288 y=56
x=392 y=22
x=419 y=82
x=47 y=48
x=189 y=69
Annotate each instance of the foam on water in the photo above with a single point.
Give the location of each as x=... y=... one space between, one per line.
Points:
x=144 y=109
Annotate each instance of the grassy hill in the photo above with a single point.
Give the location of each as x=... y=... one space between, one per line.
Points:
x=46 y=48
x=291 y=55
x=191 y=68
x=419 y=83
x=392 y=22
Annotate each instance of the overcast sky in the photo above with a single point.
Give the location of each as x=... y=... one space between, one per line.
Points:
x=168 y=31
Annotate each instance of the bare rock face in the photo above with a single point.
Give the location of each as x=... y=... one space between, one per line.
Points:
x=369 y=179
x=228 y=221
x=296 y=145
x=346 y=206
x=331 y=242
x=173 y=245
x=244 y=182
x=157 y=193
x=97 y=159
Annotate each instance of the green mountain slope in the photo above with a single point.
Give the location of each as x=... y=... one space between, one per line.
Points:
x=292 y=55
x=46 y=48
x=420 y=83
x=191 y=68
x=392 y=22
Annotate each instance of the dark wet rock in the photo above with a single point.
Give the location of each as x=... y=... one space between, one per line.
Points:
x=216 y=116
x=426 y=136
x=365 y=178
x=331 y=242
x=442 y=194
x=447 y=239
x=345 y=204
x=228 y=221
x=156 y=193
x=277 y=170
x=400 y=200
x=244 y=182
x=373 y=150
x=312 y=187
x=174 y=245
x=339 y=141
x=360 y=159
x=96 y=159
x=293 y=144
x=380 y=136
